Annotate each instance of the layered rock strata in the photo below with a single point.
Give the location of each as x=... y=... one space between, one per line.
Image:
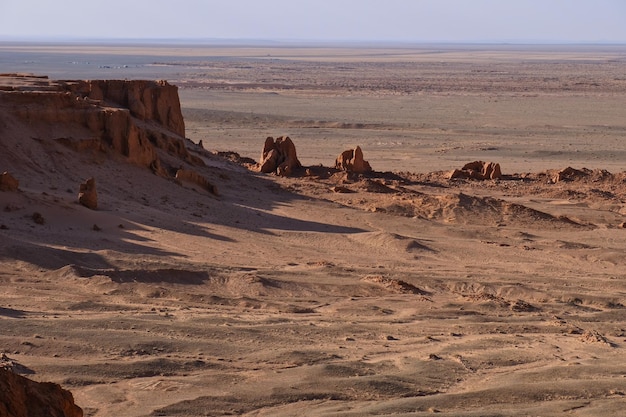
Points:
x=134 y=118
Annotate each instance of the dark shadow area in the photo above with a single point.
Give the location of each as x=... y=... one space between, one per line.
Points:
x=51 y=258
x=167 y=275
x=13 y=366
x=119 y=370
x=12 y=313
x=181 y=223
x=254 y=219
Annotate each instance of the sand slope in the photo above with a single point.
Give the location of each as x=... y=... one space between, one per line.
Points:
x=282 y=297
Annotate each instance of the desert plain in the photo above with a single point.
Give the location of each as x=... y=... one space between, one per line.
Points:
x=325 y=293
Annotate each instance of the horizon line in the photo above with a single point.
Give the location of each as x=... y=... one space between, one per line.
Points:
x=292 y=42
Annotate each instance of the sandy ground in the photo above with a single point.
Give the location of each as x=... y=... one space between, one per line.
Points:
x=408 y=294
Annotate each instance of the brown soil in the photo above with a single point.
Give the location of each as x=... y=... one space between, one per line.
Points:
x=405 y=294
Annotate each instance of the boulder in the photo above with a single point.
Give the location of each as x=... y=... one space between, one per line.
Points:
x=279 y=156
x=352 y=160
x=38 y=218
x=87 y=195
x=478 y=170
x=22 y=397
x=8 y=182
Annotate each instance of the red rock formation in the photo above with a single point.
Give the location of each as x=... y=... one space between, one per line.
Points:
x=21 y=397
x=570 y=174
x=87 y=195
x=478 y=170
x=195 y=178
x=279 y=156
x=8 y=182
x=352 y=161
x=146 y=100
x=133 y=118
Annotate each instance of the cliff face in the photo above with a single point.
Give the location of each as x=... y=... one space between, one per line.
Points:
x=135 y=119
x=21 y=397
x=146 y=100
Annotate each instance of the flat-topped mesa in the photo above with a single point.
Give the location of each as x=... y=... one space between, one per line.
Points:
x=134 y=118
x=146 y=100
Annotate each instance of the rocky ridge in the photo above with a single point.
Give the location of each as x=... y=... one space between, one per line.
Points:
x=137 y=119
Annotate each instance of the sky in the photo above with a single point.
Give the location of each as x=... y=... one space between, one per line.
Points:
x=515 y=21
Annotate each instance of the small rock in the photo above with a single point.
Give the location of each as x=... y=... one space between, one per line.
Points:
x=341 y=189
x=87 y=195
x=96 y=228
x=38 y=218
x=8 y=182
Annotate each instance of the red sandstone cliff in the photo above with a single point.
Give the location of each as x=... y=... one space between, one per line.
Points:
x=136 y=119
x=21 y=397
x=146 y=100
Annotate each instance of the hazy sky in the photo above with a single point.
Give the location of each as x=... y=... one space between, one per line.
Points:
x=347 y=20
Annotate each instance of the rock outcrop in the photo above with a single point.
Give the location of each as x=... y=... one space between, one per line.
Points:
x=279 y=156
x=570 y=174
x=8 y=182
x=137 y=119
x=186 y=175
x=146 y=100
x=352 y=160
x=87 y=194
x=478 y=170
x=21 y=397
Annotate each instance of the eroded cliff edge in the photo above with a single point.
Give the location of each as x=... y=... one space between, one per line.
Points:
x=21 y=397
x=137 y=119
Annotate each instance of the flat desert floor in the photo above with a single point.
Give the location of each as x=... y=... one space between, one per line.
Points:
x=405 y=294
